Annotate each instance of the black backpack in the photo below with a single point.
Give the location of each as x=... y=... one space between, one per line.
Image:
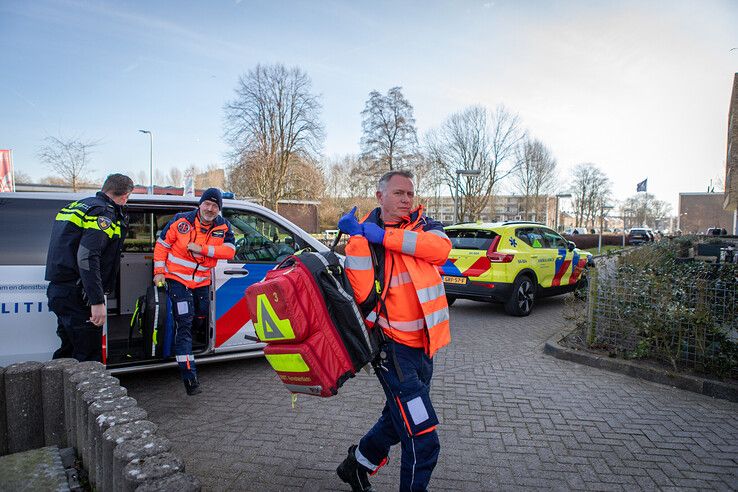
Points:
x=149 y=320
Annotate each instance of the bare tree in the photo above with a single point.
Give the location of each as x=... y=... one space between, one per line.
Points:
x=21 y=177
x=643 y=209
x=306 y=181
x=591 y=189
x=142 y=178
x=272 y=124
x=69 y=158
x=159 y=179
x=174 y=177
x=534 y=177
x=389 y=137
x=475 y=139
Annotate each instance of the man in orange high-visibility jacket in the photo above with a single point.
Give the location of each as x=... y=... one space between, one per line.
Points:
x=412 y=311
x=189 y=246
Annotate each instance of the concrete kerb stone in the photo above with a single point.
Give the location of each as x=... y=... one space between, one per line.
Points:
x=143 y=470
x=135 y=449
x=688 y=382
x=115 y=437
x=24 y=406
x=70 y=418
x=52 y=394
x=116 y=395
x=107 y=420
x=179 y=482
x=88 y=399
x=96 y=382
x=3 y=418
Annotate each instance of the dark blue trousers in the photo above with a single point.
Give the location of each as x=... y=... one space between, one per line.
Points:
x=188 y=306
x=80 y=339
x=408 y=418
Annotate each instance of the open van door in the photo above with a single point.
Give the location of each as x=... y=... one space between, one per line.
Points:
x=261 y=244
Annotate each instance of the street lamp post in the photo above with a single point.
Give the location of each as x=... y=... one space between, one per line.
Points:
x=151 y=160
x=460 y=172
x=603 y=209
x=560 y=195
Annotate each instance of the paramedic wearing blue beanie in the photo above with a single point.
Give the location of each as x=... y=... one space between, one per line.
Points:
x=189 y=246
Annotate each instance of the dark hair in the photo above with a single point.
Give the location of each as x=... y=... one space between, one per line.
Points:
x=117 y=185
x=382 y=183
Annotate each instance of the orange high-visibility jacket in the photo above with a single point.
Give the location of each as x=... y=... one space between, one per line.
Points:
x=172 y=258
x=416 y=308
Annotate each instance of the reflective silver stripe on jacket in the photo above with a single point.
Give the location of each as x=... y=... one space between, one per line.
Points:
x=181 y=261
x=187 y=263
x=414 y=325
x=409 y=238
x=358 y=262
x=189 y=278
x=160 y=264
x=431 y=293
x=403 y=278
x=230 y=245
x=211 y=251
x=164 y=243
x=439 y=233
x=436 y=317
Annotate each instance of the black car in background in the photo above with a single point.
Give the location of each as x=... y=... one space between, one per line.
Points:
x=640 y=235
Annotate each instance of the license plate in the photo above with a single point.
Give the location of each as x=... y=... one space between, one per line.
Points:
x=454 y=280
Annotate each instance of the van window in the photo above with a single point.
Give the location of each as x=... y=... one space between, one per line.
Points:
x=145 y=226
x=27 y=225
x=470 y=238
x=260 y=239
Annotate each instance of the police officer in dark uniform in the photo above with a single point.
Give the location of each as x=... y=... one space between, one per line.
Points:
x=82 y=264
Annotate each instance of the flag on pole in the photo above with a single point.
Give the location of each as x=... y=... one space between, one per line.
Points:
x=7 y=183
x=641 y=186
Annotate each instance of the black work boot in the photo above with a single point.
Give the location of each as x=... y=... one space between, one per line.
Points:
x=354 y=474
x=192 y=386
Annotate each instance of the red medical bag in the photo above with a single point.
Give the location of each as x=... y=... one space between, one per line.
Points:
x=316 y=337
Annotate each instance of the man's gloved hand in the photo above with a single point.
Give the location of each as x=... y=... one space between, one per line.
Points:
x=372 y=232
x=349 y=224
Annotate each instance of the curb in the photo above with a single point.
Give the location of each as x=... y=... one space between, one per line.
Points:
x=695 y=384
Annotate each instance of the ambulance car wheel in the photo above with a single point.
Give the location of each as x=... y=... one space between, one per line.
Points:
x=450 y=300
x=522 y=297
x=582 y=288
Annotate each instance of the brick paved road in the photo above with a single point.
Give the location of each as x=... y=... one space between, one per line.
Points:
x=512 y=418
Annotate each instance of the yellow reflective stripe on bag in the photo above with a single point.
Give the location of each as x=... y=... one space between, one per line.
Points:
x=287 y=362
x=268 y=326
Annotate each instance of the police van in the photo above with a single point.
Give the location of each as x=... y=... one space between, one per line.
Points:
x=28 y=328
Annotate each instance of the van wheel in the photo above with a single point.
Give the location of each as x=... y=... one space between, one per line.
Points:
x=450 y=300
x=522 y=297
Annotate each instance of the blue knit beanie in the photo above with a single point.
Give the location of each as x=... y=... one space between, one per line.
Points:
x=213 y=195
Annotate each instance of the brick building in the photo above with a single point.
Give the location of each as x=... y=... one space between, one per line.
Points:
x=700 y=211
x=499 y=209
x=730 y=202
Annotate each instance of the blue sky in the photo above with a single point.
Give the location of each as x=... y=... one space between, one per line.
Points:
x=640 y=88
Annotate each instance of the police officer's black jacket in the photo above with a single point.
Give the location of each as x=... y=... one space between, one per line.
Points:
x=86 y=242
